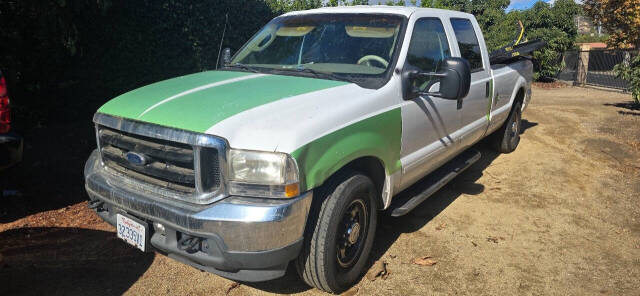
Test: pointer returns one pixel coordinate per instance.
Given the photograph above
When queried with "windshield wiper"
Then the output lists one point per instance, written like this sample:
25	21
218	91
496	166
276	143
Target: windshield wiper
322	74
243	67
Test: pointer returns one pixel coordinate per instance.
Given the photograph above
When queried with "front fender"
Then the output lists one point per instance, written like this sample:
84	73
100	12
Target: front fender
378	136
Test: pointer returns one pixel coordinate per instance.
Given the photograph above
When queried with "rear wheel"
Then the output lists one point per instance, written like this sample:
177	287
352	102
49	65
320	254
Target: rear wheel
507	138
340	233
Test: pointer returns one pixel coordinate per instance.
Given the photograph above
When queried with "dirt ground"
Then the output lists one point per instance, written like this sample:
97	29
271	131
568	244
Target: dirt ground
559	216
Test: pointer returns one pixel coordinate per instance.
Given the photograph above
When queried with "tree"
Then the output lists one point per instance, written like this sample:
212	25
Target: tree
282	6
631	73
490	14
553	24
620	17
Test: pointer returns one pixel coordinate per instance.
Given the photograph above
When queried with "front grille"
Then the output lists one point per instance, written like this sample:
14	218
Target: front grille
169	165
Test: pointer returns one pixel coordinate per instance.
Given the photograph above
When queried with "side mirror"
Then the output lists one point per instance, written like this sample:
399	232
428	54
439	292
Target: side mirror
226	56
454	77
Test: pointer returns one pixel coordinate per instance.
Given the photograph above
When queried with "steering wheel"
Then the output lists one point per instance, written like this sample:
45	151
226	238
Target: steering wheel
368	58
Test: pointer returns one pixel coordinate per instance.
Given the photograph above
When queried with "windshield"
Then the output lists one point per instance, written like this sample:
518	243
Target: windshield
351	47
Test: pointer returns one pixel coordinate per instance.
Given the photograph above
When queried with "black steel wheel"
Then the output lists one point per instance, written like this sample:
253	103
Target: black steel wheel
340	232
351	233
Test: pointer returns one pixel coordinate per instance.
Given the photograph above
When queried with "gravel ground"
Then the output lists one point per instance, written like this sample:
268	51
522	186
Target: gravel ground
559	216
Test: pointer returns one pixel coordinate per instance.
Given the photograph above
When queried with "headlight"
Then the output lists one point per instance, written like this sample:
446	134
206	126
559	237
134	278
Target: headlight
262	174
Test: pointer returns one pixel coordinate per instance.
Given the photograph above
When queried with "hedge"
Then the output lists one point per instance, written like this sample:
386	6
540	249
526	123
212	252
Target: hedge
64	58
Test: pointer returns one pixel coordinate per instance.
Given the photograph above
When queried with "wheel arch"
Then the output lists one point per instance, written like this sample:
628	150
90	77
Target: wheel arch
373	168
370	165
519	92
519	95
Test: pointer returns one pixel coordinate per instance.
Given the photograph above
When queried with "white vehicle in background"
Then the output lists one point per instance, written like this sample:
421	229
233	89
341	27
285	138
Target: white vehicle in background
289	152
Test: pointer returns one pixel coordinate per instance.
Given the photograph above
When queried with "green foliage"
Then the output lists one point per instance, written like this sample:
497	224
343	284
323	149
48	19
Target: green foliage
497	25
621	18
346	2
546	60
282	6
586	38
333	3
630	71
553	24
65	58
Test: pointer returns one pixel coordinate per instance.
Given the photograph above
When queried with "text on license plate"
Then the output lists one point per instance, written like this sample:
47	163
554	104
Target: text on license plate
131	231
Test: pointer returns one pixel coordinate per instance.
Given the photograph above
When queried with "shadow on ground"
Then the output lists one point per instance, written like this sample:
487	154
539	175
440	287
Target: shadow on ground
465	183
50	175
630	105
527	125
291	283
67	261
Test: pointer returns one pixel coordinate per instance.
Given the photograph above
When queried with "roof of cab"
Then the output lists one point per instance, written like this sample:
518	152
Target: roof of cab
400	10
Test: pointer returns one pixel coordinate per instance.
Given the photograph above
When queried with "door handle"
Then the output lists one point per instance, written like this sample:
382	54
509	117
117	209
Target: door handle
487	90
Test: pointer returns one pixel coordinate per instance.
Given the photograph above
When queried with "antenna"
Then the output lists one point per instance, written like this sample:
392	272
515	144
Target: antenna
226	20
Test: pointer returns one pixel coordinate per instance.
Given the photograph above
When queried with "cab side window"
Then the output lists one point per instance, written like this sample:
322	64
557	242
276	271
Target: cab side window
467	42
428	48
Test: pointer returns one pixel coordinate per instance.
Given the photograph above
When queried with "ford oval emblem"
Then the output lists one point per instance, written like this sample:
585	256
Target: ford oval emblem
136	158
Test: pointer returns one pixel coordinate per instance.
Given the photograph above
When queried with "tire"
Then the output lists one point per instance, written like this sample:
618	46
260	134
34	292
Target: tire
333	258
507	137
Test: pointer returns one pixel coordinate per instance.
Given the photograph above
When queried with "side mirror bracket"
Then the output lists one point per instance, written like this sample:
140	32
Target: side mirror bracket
417	74
454	77
226	56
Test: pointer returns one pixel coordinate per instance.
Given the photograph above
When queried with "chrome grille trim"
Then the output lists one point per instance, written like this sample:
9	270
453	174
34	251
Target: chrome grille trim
196	167
196	140
166	163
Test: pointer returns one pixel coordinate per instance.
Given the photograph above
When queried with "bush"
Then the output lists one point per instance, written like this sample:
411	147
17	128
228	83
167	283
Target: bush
547	60
65	58
631	73
587	38
553	24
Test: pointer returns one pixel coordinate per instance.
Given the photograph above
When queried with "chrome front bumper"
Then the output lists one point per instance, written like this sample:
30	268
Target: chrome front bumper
238	225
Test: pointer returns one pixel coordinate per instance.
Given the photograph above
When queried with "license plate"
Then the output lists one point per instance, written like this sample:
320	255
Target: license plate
132	231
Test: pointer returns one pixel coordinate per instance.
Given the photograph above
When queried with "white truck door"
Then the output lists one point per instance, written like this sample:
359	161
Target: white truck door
428	123
475	106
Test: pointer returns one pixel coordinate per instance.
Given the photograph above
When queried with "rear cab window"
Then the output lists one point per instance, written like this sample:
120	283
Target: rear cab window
468	42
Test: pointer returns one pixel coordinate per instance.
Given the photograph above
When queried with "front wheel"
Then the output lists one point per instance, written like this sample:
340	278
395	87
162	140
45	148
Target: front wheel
340	233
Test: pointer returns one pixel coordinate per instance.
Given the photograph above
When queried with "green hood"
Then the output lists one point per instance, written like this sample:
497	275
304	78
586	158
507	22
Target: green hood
198	101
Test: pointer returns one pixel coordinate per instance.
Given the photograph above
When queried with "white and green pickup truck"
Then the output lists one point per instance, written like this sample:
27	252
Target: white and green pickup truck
291	150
